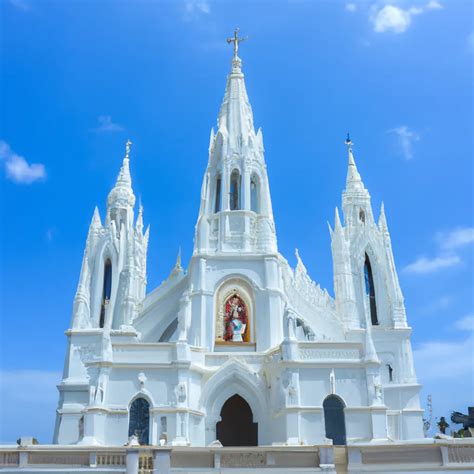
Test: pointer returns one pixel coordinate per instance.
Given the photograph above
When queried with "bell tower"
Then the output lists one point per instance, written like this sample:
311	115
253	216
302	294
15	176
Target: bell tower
236	211
113	275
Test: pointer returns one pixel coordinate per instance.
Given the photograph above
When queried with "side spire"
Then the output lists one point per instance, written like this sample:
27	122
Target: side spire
353	181
124	178
121	200
96	222
383	220
337	221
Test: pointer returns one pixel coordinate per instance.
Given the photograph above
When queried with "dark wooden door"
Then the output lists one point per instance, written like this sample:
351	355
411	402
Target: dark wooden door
236	427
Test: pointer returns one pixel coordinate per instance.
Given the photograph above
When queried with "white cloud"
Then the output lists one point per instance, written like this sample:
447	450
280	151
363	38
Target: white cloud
406	138
433	5
392	18
434	359
107	125
470	42
448	243
18	169
20	5
465	324
195	8
456	238
434	306
431	265
351	7
30	385
28	404
50	234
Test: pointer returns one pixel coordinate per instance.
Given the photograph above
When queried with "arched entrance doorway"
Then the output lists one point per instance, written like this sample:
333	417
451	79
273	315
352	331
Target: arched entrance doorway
236	427
139	423
334	420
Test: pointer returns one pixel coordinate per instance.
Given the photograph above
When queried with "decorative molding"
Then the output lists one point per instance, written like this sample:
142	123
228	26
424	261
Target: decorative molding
305	353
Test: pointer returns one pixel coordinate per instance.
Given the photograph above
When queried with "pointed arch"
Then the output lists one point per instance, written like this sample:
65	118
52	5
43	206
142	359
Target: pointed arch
334	419
218	193
238	290
233	378
105	252
106	291
139	419
235	187
370	290
236	427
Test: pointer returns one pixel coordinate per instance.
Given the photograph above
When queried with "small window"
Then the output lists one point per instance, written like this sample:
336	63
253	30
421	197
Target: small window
139	421
334	420
235	190
107	289
362	216
390	373
254	194
217	205
370	290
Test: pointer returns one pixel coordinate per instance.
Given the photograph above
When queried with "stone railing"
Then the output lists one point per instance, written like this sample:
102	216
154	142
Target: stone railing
423	456
156	460
433	455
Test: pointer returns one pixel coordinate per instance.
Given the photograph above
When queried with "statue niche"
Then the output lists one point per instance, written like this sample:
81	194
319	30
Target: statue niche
233	318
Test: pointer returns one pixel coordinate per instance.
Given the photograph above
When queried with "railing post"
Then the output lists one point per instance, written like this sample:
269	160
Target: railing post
132	461
217	460
354	456
93	459
444	455
23	459
162	461
326	458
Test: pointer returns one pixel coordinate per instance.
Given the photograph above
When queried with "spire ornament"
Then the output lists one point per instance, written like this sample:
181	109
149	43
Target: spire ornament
348	142
128	146
236	40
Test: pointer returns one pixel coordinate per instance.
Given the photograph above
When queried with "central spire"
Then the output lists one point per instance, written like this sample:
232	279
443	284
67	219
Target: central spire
236	211
235	120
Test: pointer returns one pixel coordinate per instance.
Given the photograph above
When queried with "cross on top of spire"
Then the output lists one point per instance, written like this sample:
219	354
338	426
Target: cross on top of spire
236	40
128	146
348	141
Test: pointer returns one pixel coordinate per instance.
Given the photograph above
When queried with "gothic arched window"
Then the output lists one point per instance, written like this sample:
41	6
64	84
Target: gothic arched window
139	423
106	291
254	194
217	204
362	216
370	290
235	190
334	420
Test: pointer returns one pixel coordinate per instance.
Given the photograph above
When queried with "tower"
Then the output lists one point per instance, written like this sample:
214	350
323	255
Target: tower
365	278
109	296
236	211
370	301
113	275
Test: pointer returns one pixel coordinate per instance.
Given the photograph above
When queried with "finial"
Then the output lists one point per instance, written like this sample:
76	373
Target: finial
128	146
178	258
236	40
348	141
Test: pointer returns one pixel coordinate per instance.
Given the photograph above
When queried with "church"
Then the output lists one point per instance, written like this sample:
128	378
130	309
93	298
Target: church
239	349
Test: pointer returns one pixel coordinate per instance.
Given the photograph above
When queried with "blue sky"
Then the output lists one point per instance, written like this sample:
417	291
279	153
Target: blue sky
80	78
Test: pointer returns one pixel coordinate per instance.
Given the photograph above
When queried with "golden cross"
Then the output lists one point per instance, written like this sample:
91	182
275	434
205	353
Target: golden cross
236	40
128	145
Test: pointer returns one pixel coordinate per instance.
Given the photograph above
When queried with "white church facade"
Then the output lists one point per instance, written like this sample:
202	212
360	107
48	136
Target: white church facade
240	349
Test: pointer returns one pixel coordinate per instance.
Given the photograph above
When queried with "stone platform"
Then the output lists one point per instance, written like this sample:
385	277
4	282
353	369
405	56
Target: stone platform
429	456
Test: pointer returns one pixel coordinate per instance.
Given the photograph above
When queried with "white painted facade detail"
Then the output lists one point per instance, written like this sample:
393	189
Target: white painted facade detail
240	320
